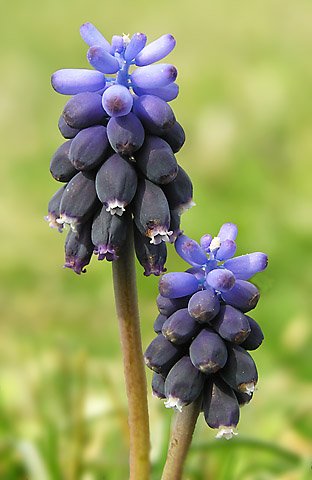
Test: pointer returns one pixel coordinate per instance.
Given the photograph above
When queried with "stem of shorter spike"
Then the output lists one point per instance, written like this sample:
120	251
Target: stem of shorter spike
134	368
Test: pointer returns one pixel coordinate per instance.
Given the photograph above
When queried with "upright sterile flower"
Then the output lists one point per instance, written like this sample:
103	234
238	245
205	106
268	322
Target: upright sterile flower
202	313
119	157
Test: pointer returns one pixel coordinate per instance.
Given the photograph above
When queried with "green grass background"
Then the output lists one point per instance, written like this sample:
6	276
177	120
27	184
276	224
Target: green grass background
245	81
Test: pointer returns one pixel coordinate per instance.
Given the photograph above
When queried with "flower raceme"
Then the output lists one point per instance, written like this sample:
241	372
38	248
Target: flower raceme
119	157
203	331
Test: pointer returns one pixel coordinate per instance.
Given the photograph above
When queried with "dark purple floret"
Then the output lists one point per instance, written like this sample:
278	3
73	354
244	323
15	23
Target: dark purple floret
65	129
78	249
84	110
156	160
183	384
180	327
208	351
151	257
255	337
61	168
175	136
158	323
240	371
220	405
151	212
179	192
89	148
116	183
155	114
54	209
204	306
167	306
161	355
158	386
79	201
109	234
231	324
125	134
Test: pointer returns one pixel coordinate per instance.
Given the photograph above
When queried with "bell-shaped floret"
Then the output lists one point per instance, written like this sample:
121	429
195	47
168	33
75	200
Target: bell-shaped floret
231	324
158	386
208	351
116	183
125	134
109	234
175	136
179	192
54	209
240	371
156	160
61	168
180	327
89	148
161	355
183	384
84	110
78	249
204	305
152	257
255	337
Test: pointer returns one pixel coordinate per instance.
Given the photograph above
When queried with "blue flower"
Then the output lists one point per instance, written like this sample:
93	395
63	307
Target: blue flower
111	76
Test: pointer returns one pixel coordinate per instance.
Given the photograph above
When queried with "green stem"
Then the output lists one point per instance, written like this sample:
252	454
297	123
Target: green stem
180	441
134	368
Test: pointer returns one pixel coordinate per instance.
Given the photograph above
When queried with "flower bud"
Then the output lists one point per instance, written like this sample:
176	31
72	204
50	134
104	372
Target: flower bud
255	337
204	306
109	234
89	148
61	168
180	327
161	355
208	351
179	192
78	249
177	284
167	306
84	110
231	324
244	296
158	386
240	371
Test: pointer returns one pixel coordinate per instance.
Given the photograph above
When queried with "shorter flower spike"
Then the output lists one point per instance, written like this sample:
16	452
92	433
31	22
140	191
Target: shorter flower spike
231	324
78	249
183	384
61	168
109	234
116	184
245	266
255	337
167	306
161	355
84	110
177	284
221	408
71	81
244	296
89	148
180	327
204	306
240	371
208	351
152	257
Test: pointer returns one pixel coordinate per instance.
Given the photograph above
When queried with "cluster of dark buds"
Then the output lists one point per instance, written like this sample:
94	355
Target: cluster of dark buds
118	162
203	331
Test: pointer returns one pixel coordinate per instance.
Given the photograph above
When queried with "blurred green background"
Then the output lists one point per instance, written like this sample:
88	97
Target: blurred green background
245	79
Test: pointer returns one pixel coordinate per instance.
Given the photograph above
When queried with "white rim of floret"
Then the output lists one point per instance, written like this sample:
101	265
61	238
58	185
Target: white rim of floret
173	402
215	244
71	221
52	221
226	432
185	206
115	207
159	234
248	388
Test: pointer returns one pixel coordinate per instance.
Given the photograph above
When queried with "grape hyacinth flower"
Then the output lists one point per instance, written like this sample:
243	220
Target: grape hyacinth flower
204	334
119	155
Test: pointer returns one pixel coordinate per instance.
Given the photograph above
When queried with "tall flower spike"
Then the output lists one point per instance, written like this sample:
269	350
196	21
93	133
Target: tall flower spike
120	105
202	314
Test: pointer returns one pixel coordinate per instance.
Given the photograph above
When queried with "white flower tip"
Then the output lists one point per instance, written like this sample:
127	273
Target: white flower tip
226	432
185	206
215	244
158	235
248	388
116	208
175	403
71	221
